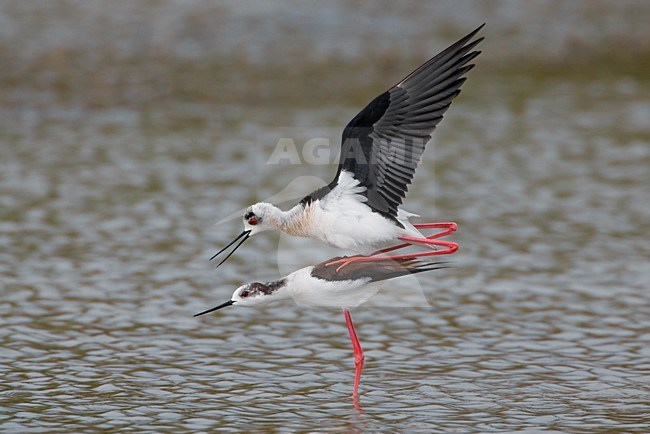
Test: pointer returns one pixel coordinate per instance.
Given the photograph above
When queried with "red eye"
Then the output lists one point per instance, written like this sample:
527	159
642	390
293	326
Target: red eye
252	221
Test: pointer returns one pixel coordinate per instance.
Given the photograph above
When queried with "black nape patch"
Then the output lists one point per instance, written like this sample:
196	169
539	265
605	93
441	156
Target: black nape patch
257	288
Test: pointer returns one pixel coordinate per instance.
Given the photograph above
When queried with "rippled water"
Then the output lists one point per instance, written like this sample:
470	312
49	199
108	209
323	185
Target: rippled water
543	322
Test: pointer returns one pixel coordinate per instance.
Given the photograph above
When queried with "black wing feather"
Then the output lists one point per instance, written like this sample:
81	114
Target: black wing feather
382	145
374	271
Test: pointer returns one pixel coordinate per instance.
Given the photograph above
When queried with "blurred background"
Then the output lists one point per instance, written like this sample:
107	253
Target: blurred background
127	129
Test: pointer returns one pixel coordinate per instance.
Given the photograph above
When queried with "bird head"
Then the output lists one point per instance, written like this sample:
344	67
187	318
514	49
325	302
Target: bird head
258	218
252	294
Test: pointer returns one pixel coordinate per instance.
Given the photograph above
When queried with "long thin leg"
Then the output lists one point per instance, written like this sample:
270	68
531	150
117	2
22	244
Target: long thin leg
448	247
450	228
358	354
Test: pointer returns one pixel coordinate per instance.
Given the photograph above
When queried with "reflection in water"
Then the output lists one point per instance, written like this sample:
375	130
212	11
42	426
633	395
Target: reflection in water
105	233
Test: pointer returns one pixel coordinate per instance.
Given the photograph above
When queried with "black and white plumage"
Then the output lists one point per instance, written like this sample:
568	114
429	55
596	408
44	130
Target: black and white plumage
383	144
381	148
321	285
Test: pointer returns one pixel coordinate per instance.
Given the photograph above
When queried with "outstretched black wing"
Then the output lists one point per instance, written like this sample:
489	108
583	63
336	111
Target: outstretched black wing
383	144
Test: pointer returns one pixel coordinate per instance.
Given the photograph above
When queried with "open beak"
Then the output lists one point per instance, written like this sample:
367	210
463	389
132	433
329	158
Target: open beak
228	303
243	236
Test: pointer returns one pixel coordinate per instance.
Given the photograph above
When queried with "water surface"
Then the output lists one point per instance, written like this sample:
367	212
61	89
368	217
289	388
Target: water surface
110	188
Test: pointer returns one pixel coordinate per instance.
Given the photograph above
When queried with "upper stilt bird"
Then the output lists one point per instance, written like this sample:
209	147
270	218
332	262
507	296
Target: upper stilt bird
380	151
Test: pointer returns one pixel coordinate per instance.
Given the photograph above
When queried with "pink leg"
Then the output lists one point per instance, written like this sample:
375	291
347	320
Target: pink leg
448	247
358	355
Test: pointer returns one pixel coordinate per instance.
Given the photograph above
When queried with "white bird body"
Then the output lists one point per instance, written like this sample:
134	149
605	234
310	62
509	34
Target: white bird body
322	285
340	219
307	290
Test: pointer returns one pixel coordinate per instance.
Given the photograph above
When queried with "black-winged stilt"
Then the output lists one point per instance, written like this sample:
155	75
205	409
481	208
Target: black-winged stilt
381	148
323	285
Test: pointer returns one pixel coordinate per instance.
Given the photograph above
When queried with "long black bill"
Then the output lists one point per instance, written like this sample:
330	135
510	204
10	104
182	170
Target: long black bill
243	235
228	303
